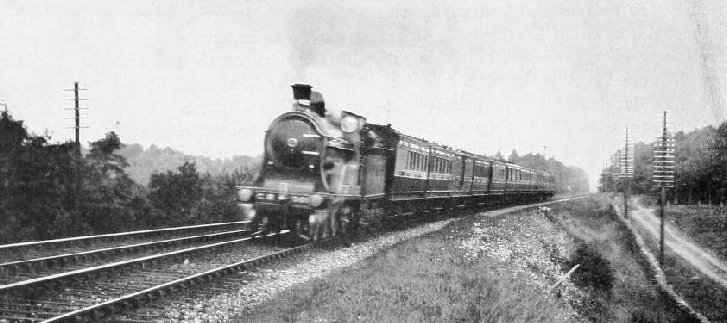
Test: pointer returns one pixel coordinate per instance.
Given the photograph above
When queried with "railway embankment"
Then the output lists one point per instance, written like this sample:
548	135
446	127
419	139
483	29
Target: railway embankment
494	266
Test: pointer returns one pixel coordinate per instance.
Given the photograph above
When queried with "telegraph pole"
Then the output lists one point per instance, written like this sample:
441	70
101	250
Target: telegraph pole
626	165
77	109
77	116
664	165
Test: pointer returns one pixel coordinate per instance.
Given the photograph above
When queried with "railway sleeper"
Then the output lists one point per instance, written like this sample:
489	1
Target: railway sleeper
35	314
18	319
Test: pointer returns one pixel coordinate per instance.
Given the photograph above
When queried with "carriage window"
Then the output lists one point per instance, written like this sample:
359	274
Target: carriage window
479	171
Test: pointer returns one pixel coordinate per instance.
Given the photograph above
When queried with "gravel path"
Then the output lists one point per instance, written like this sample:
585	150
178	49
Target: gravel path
674	240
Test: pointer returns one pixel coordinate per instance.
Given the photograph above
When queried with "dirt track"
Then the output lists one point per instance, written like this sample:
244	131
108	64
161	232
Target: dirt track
679	244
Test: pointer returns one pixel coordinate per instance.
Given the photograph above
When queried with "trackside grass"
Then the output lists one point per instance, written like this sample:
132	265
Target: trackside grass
424	280
488	269
704	224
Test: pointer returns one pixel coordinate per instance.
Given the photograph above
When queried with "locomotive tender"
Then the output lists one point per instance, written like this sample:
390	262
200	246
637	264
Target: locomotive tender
323	171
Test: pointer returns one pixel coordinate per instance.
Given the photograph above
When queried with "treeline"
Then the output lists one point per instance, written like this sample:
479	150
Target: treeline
145	162
568	179
700	169
52	190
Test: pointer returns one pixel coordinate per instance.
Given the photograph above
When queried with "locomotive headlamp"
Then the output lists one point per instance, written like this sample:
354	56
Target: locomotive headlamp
244	194
349	124
301	199
316	200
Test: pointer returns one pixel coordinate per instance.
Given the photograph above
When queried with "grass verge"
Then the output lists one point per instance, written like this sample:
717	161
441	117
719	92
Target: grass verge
705	224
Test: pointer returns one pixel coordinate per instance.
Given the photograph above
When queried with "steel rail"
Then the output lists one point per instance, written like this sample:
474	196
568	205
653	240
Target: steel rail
13	247
50	262
33	285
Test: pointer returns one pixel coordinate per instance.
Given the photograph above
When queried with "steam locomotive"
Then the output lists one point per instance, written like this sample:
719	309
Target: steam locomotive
336	173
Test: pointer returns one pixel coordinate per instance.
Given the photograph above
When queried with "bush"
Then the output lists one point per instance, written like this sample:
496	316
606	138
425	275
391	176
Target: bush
595	271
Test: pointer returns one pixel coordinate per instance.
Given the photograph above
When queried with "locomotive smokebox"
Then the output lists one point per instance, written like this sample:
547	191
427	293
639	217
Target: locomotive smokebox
301	91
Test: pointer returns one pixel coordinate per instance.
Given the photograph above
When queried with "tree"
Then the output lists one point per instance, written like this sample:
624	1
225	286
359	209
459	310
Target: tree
701	166
175	194
12	134
514	157
498	156
110	198
719	163
33	178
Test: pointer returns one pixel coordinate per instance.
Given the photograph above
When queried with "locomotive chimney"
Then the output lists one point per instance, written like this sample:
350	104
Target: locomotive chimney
301	93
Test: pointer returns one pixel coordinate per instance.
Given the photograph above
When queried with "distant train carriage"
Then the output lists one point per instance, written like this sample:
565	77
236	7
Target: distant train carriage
332	173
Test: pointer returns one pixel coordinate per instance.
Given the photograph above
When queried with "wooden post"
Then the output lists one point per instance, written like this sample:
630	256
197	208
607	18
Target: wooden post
661	214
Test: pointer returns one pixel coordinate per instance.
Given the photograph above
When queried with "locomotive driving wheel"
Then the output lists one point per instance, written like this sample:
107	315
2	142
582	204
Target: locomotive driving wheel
302	229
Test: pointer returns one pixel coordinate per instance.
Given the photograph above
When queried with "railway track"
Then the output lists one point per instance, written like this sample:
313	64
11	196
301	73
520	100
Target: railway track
91	293
73	254
41	249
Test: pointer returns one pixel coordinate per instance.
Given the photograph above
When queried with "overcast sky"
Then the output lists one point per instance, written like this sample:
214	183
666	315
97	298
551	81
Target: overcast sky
207	77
